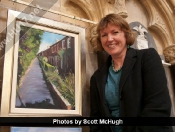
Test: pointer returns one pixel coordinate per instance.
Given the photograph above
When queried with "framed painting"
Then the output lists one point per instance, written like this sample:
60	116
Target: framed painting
45	129
43	67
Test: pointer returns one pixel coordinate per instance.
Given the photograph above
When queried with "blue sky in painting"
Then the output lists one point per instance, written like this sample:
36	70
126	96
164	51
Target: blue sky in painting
49	39
45	129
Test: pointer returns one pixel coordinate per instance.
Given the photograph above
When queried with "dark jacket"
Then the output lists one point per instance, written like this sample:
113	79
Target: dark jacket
143	91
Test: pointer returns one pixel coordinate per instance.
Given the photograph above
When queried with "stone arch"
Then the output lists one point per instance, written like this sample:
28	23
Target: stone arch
86	7
161	25
157	24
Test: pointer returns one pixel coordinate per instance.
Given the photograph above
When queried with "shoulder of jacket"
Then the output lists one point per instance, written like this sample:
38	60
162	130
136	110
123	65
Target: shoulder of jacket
95	73
145	51
103	67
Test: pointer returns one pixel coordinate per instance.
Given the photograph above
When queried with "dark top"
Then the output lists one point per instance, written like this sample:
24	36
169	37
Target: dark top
143	91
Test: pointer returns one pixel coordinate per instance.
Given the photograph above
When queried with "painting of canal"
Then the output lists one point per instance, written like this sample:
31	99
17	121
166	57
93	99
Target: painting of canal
45	70
45	129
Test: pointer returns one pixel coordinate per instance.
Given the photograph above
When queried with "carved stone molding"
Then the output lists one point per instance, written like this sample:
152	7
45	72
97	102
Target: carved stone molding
160	22
120	8
87	7
111	1
93	39
157	20
141	41
159	26
169	53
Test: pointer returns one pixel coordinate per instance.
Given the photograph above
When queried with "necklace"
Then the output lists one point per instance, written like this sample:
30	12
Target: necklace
114	67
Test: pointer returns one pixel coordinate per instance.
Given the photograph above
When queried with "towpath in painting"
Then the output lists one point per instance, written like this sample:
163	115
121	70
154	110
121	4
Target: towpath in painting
33	90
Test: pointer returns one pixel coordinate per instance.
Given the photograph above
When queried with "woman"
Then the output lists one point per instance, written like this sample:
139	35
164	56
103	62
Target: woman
132	83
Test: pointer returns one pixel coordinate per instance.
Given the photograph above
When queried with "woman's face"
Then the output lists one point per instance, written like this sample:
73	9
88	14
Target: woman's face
113	40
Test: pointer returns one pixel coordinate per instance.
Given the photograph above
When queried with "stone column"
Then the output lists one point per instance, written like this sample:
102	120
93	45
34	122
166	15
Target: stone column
169	53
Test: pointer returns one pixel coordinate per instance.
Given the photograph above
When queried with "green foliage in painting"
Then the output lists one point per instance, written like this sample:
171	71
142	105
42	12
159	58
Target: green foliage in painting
29	43
61	53
46	66
65	85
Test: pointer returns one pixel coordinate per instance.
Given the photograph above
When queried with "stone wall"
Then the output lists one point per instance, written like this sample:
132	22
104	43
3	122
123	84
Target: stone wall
157	16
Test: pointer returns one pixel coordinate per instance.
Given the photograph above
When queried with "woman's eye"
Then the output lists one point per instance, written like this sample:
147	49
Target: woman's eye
103	35
116	32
